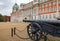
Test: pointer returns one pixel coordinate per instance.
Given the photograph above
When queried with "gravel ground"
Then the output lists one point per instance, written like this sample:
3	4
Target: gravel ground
5	32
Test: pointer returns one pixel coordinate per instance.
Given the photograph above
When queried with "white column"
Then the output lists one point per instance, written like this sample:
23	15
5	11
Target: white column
57	8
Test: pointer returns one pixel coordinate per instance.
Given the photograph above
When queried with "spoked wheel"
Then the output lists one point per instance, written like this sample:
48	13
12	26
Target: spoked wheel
34	31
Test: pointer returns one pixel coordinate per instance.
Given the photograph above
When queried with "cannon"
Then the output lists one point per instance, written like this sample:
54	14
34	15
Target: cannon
40	28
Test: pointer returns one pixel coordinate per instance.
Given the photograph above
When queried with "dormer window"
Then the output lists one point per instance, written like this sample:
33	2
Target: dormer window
35	0
43	1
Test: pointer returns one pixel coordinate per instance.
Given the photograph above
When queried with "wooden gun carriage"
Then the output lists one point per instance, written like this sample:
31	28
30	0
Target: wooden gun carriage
38	28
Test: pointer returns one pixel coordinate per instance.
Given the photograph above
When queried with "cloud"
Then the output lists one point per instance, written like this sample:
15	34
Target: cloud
22	1
6	5
1	3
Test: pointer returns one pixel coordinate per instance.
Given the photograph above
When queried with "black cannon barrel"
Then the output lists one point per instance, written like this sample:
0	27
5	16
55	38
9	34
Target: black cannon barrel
50	26
53	22
47	21
30	20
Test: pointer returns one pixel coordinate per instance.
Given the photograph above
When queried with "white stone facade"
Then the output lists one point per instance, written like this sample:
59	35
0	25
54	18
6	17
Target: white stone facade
37	10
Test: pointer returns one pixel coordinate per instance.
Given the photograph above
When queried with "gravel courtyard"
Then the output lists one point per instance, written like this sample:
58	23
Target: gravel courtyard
5	32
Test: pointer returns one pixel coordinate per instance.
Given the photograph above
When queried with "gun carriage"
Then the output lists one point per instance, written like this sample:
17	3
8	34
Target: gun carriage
39	28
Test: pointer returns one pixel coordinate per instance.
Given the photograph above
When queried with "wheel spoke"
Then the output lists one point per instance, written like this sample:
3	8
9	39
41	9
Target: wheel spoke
33	36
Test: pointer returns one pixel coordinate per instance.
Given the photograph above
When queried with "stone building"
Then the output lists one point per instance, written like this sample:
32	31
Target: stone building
36	10
49	10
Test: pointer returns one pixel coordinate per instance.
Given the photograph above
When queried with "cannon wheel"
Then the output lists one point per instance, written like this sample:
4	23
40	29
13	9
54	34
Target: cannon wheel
34	31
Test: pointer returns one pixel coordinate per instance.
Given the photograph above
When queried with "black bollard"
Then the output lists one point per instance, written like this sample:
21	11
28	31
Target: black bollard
45	38
12	32
37	38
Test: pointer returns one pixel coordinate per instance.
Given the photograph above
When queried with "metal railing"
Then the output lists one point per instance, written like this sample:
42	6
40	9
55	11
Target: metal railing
14	32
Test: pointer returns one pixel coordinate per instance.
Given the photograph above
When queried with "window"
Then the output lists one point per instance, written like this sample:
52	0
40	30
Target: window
59	8
46	16
59	1
54	3
40	17
42	10
54	16
51	9
43	16
46	5
39	10
46	10
35	11
49	4
41	0
35	0
55	8
50	16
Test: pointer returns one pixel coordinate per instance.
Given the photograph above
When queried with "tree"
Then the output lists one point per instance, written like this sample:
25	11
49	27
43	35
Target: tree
1	18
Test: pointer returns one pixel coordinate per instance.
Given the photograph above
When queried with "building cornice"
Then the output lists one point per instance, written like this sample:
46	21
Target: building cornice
34	4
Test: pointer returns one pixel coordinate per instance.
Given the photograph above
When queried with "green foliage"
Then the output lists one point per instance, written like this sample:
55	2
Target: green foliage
1	18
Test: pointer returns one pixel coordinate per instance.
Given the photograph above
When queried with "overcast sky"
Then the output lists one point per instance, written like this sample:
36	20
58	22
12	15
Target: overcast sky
6	5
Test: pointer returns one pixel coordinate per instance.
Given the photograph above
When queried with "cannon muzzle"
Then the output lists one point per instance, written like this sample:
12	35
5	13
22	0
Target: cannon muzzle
29	20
